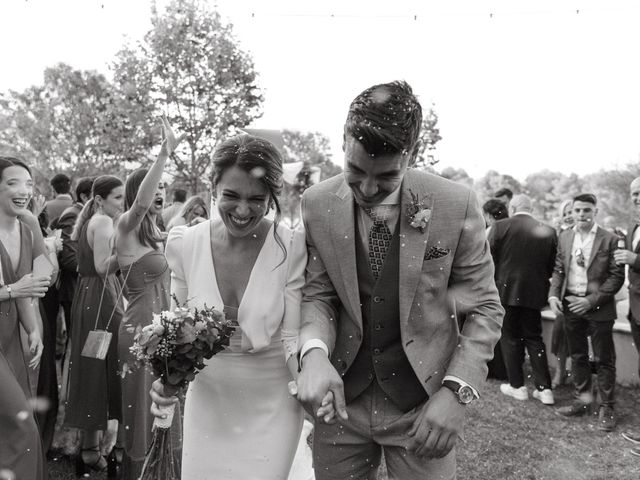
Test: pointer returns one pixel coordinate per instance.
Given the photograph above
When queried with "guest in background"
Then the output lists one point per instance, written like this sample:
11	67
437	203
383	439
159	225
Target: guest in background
559	345
142	262
585	280
192	213
173	209
61	185
524	253
94	394
504	195
20	241
494	210
629	255
67	257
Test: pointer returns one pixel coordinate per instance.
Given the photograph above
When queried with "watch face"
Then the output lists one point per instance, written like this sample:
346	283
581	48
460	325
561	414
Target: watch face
465	395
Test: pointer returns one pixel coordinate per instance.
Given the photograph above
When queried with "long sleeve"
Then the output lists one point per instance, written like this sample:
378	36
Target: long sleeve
173	252
297	261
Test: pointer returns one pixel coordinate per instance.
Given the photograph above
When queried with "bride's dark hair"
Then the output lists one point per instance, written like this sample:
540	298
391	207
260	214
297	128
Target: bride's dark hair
253	154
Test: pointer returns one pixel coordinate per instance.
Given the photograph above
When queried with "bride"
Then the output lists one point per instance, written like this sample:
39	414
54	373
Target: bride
240	421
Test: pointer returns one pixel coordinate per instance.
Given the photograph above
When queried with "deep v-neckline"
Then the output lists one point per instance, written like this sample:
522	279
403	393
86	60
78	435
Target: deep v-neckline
251	274
7	256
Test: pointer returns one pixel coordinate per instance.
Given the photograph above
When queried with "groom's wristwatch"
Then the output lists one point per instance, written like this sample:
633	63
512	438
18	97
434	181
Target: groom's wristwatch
463	392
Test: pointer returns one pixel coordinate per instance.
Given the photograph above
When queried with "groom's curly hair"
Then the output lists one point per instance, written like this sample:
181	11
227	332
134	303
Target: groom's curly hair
385	119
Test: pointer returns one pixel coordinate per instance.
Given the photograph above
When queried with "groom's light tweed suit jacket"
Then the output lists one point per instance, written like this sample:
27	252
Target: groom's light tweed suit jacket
433	292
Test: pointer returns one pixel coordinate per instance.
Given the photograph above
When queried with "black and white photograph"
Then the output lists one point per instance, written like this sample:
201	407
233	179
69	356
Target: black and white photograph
319	240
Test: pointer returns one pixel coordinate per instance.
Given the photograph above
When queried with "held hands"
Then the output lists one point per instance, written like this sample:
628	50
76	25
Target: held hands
320	388
578	305
35	348
625	257
160	400
169	140
438	426
30	286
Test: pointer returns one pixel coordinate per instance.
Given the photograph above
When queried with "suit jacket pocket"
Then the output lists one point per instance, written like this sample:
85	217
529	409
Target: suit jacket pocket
436	264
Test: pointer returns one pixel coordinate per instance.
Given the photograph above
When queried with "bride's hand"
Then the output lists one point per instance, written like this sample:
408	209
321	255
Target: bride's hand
326	411
170	141
159	399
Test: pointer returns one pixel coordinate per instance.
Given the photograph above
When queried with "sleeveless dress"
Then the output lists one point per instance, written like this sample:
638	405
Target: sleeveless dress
93	395
240	422
147	281
20	444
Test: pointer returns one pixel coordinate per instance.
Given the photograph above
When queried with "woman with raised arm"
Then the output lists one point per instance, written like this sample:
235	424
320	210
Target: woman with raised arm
144	268
93	396
194	211
20	242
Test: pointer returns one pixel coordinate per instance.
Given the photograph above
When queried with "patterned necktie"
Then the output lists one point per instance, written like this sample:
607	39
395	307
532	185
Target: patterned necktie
379	240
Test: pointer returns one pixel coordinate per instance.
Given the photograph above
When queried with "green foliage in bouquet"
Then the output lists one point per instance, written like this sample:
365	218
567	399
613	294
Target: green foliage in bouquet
177	342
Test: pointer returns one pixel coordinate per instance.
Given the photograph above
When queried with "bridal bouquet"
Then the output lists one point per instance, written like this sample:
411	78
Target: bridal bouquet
175	346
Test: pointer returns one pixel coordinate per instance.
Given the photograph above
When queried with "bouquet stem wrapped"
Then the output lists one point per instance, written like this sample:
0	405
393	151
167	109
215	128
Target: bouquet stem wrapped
175	346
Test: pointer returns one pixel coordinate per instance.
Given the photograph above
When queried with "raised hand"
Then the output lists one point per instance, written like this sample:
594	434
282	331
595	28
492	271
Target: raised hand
170	142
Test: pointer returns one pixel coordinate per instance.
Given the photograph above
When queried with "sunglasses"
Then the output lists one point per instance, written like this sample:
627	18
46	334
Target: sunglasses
579	257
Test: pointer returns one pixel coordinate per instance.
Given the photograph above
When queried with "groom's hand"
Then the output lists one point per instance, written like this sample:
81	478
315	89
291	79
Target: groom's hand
435	432
317	378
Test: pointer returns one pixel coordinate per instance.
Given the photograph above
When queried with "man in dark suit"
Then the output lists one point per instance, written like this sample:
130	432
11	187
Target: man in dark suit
524	252
61	185
630	255
67	256
585	279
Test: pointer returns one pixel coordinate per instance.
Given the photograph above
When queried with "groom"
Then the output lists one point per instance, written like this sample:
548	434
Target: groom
396	255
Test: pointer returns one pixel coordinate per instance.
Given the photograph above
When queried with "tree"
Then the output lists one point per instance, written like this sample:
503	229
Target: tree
492	181
313	149
611	187
459	175
64	125
429	136
190	68
549	189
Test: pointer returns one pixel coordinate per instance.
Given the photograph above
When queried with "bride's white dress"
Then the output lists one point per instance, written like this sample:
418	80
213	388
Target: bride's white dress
240	422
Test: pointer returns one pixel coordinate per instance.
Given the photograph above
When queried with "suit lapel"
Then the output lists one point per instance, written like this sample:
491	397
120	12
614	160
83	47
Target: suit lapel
568	247
413	244
596	246
344	243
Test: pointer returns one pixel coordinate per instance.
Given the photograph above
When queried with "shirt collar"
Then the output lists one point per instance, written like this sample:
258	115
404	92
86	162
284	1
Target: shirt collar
523	213
392	199
593	230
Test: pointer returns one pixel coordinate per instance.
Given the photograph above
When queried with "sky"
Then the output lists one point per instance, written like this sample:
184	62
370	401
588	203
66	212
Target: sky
518	85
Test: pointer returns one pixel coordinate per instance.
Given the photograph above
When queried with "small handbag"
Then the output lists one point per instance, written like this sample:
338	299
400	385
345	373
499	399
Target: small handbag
97	343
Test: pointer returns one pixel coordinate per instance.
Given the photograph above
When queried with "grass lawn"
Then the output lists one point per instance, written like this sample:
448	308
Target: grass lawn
510	440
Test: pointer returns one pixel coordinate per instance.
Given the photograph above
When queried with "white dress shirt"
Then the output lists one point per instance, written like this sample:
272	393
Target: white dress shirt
577	275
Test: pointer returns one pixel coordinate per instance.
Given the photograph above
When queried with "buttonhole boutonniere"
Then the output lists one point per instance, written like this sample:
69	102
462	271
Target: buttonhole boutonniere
418	213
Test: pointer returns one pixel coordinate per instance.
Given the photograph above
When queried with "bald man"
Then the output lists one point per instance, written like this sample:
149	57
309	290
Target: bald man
630	256
524	251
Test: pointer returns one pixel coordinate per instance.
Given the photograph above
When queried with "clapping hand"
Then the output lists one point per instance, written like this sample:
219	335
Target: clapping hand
169	140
